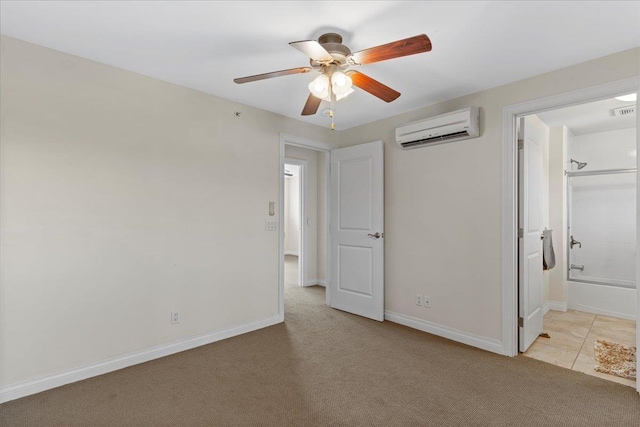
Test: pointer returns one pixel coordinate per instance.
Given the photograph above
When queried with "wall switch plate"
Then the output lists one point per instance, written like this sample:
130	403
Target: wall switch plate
175	317
427	301
271	225
272	208
308	221
418	299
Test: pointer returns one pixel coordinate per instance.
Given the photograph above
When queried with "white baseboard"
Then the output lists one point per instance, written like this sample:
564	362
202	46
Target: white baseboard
315	282
484	343
291	253
598	310
47	382
557	306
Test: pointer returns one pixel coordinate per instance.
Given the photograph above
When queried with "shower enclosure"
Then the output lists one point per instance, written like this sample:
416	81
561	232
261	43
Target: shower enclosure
601	232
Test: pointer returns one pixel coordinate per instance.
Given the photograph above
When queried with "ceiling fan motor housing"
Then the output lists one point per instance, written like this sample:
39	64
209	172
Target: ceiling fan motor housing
332	43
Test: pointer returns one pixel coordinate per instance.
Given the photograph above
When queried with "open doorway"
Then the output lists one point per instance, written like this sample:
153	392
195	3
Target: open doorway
305	220
293	217
577	237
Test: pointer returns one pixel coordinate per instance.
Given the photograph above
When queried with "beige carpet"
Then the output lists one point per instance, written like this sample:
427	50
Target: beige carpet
290	271
326	367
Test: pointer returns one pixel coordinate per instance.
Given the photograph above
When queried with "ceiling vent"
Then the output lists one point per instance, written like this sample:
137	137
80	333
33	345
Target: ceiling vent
624	111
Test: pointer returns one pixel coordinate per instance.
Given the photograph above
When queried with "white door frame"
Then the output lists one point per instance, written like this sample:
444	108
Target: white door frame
302	234
302	142
509	192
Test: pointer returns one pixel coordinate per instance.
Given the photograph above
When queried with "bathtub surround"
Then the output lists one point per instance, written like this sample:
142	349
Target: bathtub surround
602	217
603	220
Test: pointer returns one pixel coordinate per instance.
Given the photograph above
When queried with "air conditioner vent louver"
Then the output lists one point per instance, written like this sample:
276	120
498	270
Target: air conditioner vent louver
624	111
436	139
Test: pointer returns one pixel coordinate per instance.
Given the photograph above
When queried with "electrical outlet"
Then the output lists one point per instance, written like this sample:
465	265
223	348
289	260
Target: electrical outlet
418	299
175	317
427	301
271	225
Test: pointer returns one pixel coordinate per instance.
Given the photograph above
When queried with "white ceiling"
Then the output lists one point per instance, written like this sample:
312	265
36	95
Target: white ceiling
204	45
593	117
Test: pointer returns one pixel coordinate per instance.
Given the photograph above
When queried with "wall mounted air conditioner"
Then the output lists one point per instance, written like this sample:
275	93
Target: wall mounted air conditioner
449	127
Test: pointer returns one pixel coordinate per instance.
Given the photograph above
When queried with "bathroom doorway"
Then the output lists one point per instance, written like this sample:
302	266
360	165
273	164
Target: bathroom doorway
586	303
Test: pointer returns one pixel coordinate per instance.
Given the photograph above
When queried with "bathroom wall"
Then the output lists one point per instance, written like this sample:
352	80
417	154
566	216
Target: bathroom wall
604	150
546	274
558	137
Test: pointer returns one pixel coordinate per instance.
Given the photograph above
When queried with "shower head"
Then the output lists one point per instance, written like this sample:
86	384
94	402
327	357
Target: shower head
580	164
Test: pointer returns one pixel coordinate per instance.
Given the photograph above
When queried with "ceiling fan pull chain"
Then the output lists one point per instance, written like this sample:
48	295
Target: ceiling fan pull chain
332	108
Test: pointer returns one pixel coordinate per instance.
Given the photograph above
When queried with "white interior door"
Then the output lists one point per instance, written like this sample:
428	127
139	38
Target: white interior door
530	284
357	234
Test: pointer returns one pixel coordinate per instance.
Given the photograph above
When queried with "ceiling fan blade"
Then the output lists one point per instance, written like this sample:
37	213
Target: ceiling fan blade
311	107
372	86
397	49
299	70
313	50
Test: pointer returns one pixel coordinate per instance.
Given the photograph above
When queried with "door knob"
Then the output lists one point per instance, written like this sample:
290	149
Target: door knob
377	235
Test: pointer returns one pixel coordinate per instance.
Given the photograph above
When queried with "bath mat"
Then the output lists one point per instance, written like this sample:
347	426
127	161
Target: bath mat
615	359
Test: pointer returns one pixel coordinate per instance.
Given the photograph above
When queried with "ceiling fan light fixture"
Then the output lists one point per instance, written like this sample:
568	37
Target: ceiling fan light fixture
340	83
319	87
339	97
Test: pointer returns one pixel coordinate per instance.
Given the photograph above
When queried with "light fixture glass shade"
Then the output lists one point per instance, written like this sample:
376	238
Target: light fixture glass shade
340	83
627	98
344	95
339	97
320	86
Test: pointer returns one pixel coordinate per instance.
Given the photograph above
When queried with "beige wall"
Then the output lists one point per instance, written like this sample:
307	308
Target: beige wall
558	137
443	203
124	198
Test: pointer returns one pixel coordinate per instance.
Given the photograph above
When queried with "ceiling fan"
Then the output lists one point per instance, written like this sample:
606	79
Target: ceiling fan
334	60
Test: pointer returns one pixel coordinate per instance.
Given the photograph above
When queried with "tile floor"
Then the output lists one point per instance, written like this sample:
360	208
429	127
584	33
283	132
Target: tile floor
572	337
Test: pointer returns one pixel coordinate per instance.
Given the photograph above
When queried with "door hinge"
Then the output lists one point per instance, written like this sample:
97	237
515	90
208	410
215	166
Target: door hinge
521	322
520	233
520	144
